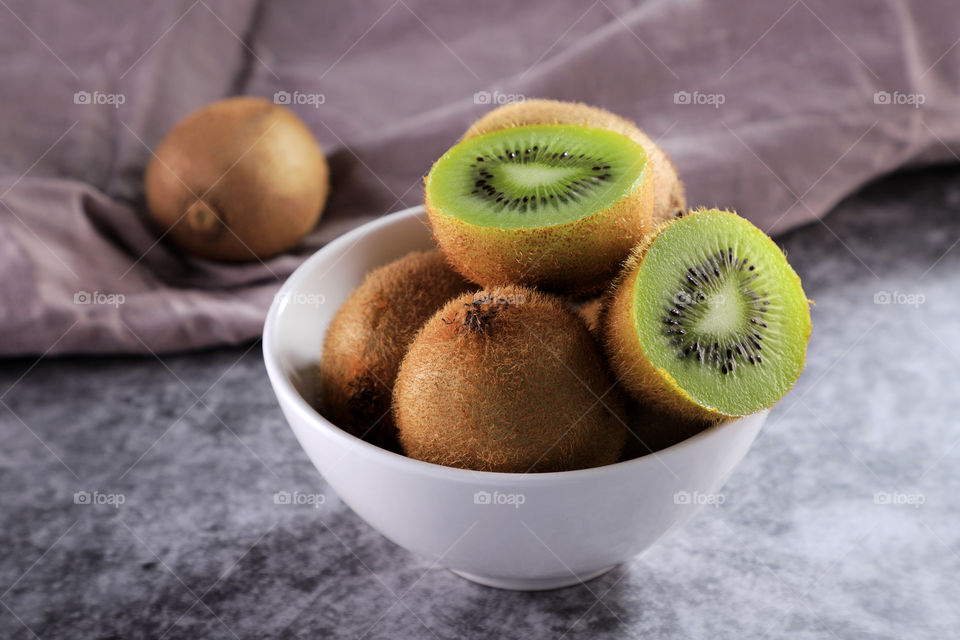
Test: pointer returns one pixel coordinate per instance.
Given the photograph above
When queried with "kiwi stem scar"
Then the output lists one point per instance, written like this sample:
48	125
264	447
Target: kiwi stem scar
202	217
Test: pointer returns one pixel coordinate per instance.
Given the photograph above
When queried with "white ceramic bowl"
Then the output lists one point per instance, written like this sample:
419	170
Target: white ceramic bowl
514	531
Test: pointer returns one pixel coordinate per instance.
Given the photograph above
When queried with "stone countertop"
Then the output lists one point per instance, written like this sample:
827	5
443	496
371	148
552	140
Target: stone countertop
843	520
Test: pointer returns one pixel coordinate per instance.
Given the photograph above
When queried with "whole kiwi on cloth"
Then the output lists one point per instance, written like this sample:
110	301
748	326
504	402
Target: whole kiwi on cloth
239	179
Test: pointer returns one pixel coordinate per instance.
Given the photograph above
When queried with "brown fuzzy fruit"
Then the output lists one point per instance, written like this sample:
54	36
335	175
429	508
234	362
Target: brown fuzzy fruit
668	195
238	179
369	335
590	312
508	380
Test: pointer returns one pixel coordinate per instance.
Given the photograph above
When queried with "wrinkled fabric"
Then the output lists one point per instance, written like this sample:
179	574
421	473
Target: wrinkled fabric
775	109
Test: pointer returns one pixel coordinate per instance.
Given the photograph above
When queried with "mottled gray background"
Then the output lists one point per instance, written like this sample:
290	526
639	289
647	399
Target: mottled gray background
842	521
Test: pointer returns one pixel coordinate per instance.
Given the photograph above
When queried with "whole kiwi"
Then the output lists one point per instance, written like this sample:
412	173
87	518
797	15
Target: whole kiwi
508	379
239	179
369	335
668	194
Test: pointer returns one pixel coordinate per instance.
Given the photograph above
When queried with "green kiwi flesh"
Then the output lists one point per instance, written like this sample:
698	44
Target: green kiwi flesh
717	306
536	176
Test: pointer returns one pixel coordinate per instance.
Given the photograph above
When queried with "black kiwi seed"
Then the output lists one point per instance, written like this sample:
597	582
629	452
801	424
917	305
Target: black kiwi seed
489	185
698	283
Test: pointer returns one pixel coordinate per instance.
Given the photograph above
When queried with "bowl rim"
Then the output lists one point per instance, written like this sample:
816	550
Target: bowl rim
289	396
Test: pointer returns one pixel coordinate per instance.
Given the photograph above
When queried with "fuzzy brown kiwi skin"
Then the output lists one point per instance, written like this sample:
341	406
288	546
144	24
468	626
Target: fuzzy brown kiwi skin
369	335
488	384
589	311
669	200
238	179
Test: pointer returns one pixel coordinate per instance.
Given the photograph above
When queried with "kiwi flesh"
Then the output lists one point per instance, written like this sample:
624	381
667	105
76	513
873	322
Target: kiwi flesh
369	335
708	320
508	379
555	206
669	200
239	179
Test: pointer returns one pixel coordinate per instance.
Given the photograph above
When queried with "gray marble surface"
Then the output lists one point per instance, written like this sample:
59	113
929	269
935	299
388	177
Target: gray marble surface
843	520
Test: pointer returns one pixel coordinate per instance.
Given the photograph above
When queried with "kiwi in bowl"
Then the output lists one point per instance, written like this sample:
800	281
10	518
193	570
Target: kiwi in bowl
511	530
599	364
708	320
553	206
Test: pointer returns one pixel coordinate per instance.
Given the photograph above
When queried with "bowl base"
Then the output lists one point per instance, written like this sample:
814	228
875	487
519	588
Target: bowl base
532	584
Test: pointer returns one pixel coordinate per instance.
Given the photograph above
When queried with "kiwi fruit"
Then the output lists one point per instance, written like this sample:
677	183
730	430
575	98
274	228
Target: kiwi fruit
369	335
553	206
508	379
708	320
590	312
669	200
239	179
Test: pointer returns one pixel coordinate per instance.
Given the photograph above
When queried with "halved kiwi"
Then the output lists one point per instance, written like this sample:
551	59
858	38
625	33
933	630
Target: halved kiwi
556	206
709	320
